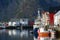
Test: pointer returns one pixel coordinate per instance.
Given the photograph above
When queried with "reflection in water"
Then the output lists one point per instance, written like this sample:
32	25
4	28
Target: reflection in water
21	35
9	32
44	38
15	35
24	33
12	32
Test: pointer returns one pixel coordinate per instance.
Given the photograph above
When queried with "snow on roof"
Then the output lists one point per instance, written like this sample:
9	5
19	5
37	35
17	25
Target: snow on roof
58	13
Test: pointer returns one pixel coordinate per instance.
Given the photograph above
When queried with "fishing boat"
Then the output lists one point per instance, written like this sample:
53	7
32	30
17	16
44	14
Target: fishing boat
40	31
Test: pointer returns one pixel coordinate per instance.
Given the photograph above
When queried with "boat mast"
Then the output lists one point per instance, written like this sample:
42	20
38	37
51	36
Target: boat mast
39	14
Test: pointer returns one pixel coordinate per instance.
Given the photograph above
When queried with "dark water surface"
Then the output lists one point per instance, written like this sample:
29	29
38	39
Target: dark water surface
15	35
6	34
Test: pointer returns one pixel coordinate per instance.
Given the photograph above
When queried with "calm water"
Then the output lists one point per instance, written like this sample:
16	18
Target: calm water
20	35
15	35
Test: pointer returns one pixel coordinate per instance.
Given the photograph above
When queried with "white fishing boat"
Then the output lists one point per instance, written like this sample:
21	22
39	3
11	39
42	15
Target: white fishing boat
38	24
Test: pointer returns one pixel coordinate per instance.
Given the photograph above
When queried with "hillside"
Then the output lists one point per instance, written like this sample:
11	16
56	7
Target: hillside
18	9
23	8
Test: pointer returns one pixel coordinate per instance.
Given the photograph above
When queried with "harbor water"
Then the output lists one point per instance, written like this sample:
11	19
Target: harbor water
7	34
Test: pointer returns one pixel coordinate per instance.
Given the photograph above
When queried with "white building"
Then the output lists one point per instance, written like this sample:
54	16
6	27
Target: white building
24	21
17	22
57	18
45	18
